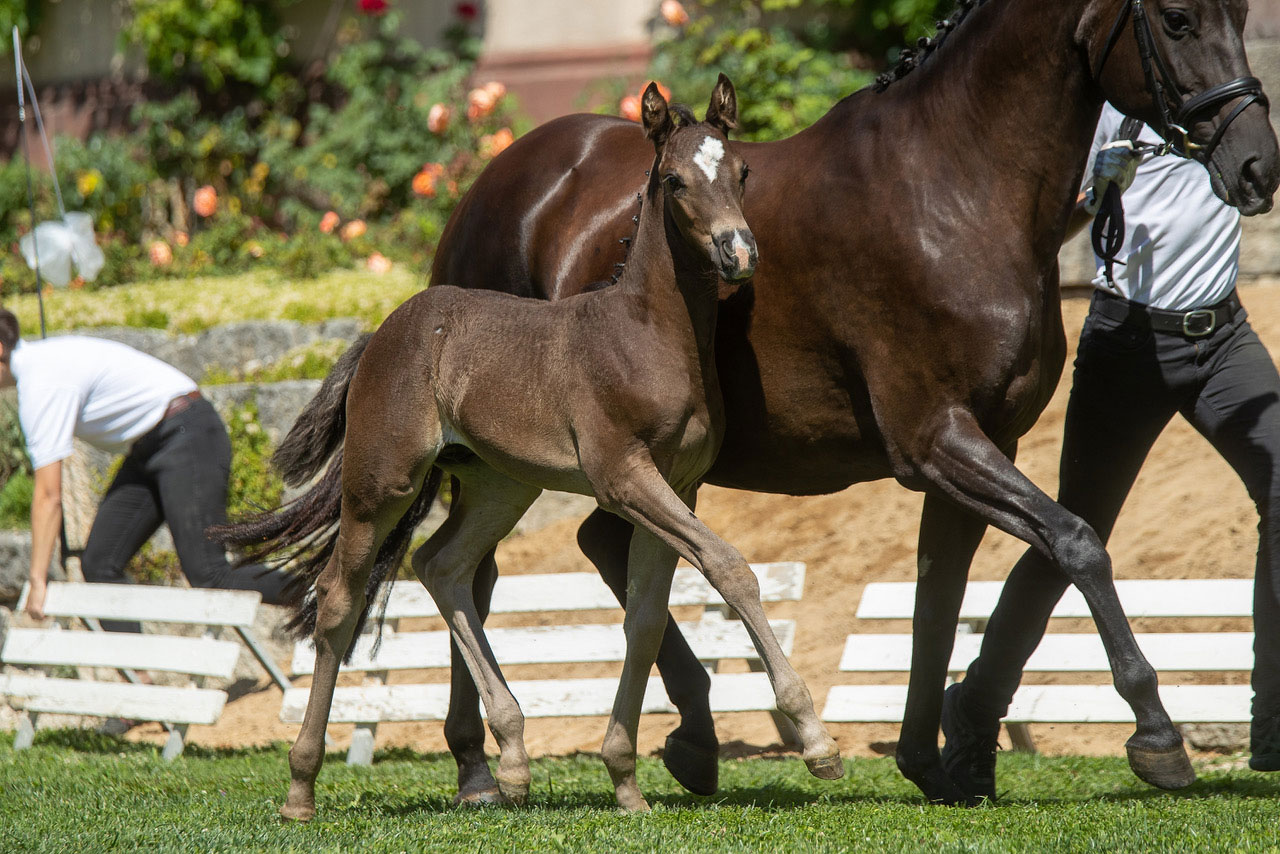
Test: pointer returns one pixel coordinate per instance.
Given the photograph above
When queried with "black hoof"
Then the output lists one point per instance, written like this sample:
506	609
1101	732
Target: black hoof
938	788
694	766
969	754
1164	769
481	798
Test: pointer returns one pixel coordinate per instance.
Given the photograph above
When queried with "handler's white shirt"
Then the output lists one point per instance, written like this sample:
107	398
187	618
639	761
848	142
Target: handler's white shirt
1181	242
103	392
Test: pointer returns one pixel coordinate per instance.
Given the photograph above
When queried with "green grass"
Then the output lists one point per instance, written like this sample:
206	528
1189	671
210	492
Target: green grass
192	305
77	791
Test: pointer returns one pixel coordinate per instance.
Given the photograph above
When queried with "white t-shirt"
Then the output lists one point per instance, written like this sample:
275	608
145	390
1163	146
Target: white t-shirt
1181	242
103	392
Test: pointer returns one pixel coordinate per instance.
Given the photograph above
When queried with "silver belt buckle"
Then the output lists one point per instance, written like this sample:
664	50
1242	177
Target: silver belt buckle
1210	318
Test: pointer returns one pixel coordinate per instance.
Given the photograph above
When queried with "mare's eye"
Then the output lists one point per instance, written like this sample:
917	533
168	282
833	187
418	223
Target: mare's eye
746	170
1177	22
673	183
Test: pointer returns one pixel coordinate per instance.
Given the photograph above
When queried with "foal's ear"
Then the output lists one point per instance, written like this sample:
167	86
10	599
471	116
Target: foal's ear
723	110
655	116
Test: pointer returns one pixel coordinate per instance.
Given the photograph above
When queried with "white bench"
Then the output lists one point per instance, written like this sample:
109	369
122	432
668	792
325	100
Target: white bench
713	638
198	657
1168	652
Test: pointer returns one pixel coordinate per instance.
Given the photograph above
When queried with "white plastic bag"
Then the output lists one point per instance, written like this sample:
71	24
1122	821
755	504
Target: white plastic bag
61	244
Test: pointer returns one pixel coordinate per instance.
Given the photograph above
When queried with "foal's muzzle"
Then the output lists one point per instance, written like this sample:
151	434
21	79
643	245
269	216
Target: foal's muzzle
736	254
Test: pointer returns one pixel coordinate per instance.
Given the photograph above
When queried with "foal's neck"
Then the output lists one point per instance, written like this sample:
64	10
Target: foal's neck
676	284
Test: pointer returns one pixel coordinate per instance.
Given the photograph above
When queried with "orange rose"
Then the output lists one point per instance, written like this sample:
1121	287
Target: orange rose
161	254
353	229
673	13
495	89
205	202
480	103
181	238
328	222
629	108
491	145
438	118
378	263
424	183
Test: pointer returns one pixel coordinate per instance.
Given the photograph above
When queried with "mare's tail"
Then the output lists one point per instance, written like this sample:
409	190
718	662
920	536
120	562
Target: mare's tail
300	537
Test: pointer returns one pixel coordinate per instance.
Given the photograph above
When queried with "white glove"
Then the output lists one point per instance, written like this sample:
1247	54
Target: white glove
1116	163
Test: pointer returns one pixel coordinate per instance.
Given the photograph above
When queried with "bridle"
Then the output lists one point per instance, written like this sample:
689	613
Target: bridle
1174	122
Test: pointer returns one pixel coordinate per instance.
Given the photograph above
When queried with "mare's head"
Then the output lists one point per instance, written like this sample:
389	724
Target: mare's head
702	178
1180	67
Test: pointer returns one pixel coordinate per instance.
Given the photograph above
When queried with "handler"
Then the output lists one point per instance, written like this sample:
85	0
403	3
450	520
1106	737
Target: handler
176	466
1170	336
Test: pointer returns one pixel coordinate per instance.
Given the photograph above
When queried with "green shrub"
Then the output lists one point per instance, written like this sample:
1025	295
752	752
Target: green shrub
15	500
254	485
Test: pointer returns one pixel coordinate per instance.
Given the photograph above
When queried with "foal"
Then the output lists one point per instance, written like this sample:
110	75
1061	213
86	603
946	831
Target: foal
617	398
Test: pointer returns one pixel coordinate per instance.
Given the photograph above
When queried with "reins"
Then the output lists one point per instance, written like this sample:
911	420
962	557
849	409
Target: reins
1108	227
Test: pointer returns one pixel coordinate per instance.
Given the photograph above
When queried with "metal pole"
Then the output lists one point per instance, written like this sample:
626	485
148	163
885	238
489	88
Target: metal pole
26	153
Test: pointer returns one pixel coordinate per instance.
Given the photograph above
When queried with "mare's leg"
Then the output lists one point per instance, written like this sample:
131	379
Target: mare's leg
692	749
949	535
651	565
485	509
963	464
643	496
340	598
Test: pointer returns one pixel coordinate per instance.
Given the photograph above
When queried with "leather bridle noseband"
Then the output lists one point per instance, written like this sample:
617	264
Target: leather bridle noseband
1160	83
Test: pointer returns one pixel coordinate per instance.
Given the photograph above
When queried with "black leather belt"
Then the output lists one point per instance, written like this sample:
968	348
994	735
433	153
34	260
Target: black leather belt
1195	323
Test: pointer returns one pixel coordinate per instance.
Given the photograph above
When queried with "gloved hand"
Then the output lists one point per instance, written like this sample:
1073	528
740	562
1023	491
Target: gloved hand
1116	163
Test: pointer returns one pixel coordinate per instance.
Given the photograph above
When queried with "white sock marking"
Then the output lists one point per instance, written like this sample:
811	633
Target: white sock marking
709	156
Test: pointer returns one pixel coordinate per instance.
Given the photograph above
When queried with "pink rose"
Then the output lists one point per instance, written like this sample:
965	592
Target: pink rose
438	118
205	202
673	13
629	108
161	254
328	222
378	263
352	230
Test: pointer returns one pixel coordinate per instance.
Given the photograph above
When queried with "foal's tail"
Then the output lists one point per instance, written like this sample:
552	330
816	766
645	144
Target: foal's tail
322	423
301	536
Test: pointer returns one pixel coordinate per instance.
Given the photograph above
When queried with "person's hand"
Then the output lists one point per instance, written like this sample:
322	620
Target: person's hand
35	601
1116	164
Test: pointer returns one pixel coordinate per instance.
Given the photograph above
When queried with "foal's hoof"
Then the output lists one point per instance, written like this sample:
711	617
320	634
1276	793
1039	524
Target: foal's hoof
826	767
299	814
1164	769
481	798
694	766
515	791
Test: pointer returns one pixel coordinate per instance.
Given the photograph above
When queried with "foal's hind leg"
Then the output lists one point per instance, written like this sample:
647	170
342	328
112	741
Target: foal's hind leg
340	598
486	508
641	494
962	463
692	749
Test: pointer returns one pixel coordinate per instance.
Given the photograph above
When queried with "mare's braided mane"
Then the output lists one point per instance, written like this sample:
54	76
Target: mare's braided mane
683	118
912	58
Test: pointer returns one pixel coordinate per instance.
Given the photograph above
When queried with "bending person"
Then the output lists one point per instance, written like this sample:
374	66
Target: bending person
176	466
1169	337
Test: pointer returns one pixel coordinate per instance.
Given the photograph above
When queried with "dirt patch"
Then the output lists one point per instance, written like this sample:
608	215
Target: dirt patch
868	533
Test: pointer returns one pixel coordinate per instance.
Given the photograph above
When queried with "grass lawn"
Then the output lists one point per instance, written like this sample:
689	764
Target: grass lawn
77	791
191	305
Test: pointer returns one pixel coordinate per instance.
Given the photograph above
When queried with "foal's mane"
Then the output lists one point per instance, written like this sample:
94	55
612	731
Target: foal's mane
683	117
910	59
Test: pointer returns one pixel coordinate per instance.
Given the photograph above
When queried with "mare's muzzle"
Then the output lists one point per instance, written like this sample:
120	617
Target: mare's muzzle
736	254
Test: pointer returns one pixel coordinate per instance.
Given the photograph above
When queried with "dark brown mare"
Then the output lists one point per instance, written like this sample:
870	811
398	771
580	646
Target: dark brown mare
611	394
904	320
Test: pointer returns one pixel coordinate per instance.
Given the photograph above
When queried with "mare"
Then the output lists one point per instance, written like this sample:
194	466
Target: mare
904	320
611	394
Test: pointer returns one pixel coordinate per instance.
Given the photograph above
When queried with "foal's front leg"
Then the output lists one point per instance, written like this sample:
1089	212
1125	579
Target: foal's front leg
653	506
649	570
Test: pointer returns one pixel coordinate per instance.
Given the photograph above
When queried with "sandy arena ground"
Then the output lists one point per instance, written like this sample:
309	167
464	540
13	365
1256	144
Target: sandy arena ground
1187	517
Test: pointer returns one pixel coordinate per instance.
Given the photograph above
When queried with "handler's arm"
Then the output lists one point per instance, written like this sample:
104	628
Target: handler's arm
46	523
1080	218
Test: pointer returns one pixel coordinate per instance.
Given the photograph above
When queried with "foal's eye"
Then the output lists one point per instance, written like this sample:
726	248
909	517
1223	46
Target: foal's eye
1177	22
674	183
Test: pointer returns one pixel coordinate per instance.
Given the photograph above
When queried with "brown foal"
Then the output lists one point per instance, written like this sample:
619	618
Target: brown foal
614	395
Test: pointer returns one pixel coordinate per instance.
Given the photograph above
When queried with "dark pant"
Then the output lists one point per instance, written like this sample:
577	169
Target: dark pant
176	473
1129	382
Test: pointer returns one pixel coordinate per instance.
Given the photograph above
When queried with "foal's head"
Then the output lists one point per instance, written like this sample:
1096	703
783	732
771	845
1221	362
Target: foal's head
702	178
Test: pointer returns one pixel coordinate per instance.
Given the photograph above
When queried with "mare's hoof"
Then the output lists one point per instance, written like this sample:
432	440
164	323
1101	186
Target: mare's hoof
1164	769
481	798
515	791
300	814
694	766
826	767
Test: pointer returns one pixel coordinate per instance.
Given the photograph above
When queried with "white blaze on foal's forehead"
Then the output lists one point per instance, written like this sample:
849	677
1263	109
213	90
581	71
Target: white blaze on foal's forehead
709	156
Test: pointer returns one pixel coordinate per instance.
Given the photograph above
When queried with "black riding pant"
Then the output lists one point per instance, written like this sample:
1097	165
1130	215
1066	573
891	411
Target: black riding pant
1129	382
176	473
